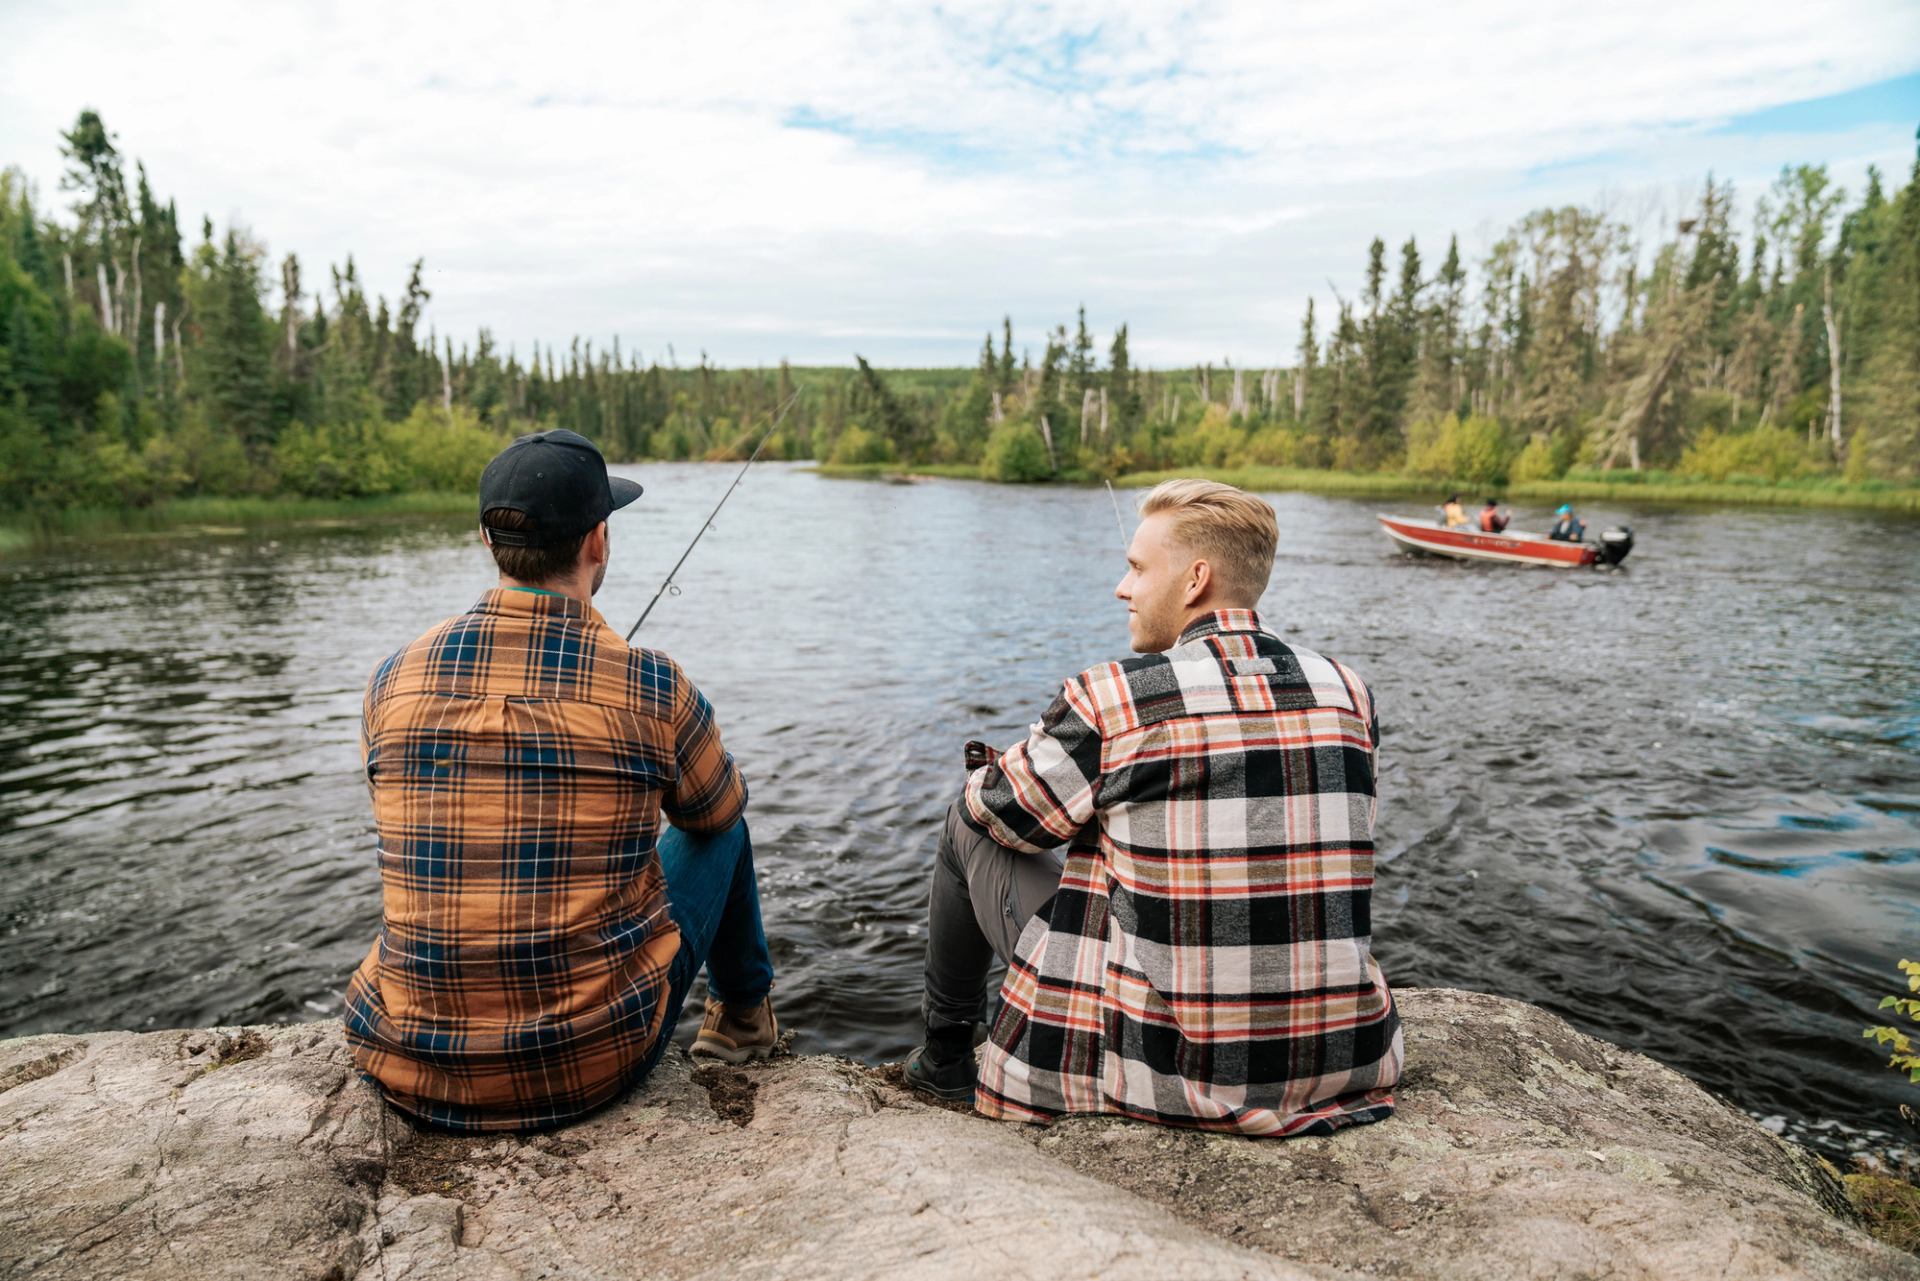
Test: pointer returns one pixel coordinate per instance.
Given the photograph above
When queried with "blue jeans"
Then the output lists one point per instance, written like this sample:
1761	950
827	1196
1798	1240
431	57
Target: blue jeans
712	897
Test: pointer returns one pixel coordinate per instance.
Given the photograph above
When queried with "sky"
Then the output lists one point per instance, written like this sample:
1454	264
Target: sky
809	180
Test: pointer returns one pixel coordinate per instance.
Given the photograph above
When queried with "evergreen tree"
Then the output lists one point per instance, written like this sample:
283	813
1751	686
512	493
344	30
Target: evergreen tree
1308	361
231	368
1121	388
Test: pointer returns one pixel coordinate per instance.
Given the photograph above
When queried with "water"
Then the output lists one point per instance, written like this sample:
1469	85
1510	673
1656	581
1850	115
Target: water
1679	805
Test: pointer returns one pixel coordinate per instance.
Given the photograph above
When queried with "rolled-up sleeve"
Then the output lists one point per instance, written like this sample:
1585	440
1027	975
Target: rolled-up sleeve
1040	792
708	795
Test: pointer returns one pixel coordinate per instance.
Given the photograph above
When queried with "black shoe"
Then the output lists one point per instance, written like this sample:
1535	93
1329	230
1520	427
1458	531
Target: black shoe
944	1066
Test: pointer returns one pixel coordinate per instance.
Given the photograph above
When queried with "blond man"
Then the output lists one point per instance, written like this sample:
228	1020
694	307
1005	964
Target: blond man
1200	955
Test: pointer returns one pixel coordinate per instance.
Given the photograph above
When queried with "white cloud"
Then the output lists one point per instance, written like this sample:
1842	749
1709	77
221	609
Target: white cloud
1196	169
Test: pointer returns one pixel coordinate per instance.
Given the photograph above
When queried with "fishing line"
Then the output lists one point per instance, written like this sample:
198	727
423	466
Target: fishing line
707	524
1125	542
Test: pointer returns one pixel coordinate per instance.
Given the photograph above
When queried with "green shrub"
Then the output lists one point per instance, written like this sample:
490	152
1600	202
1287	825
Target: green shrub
858	445
213	462
1213	442
432	451
1275	447
429	450
1766	453
1474	450
1906	1056
1015	452
1535	462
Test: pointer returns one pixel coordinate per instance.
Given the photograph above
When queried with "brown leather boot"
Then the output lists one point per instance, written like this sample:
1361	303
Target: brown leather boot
735	1035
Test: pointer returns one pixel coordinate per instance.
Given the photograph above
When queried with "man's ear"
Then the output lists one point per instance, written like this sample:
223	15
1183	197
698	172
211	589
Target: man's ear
1199	578
595	548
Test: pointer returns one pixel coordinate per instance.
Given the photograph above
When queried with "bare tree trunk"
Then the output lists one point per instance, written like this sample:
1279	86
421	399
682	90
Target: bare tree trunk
1086	412
67	260
1300	395
1046	434
1103	413
446	382
998	413
160	335
106	297
290	289
125	324
1833	319
1237	404
179	353
139	314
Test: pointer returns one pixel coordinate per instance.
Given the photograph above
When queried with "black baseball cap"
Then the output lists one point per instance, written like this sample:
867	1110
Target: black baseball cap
558	481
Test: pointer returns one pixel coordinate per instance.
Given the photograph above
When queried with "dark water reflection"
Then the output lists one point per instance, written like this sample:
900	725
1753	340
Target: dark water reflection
1680	805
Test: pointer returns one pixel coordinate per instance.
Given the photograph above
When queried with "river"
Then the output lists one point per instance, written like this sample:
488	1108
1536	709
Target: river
1679	805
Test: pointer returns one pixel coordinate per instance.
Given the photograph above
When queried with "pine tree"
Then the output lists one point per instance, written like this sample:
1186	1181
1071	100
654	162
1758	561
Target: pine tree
1080	368
231	368
1308	361
1121	388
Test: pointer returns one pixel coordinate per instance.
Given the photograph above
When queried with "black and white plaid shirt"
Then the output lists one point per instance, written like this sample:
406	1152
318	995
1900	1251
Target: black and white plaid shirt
1207	961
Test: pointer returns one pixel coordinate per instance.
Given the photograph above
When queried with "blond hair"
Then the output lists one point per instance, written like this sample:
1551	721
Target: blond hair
1230	528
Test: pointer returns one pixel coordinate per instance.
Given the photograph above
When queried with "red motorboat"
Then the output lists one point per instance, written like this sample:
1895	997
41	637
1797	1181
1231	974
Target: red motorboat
1462	543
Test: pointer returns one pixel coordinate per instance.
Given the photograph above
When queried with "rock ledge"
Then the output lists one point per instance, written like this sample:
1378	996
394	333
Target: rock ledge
1522	1149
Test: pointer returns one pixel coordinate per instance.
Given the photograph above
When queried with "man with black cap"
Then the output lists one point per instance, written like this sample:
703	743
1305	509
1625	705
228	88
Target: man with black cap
541	926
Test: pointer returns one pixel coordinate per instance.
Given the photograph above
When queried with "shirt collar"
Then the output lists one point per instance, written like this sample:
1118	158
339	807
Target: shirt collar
504	600
1222	620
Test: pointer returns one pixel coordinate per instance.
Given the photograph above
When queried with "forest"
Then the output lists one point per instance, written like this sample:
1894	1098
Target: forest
141	362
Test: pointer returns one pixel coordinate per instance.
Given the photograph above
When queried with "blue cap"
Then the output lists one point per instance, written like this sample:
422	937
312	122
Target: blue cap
1562	510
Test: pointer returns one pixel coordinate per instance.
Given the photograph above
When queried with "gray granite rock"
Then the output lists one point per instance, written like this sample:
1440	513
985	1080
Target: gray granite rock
1522	1149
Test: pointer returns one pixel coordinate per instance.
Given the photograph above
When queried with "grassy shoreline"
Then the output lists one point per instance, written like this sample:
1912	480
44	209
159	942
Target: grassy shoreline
198	516
1575	488
1629	488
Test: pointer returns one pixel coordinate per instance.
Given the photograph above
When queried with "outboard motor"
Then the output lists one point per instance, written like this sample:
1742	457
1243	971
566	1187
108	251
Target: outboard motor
1615	543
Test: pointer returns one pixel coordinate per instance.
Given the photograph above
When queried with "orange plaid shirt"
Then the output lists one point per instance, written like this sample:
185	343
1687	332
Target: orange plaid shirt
520	757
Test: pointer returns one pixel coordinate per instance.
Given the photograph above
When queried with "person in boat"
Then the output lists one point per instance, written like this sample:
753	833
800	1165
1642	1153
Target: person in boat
1567	527
1493	520
1198	953
542	922
1456	515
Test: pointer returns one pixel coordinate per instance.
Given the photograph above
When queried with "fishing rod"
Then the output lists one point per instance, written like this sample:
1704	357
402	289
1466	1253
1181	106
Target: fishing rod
707	524
1124	540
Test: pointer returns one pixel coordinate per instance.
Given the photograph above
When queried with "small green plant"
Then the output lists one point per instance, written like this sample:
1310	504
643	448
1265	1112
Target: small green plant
1905	1059
1015	453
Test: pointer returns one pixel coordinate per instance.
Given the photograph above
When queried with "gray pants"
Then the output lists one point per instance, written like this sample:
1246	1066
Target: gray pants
983	896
